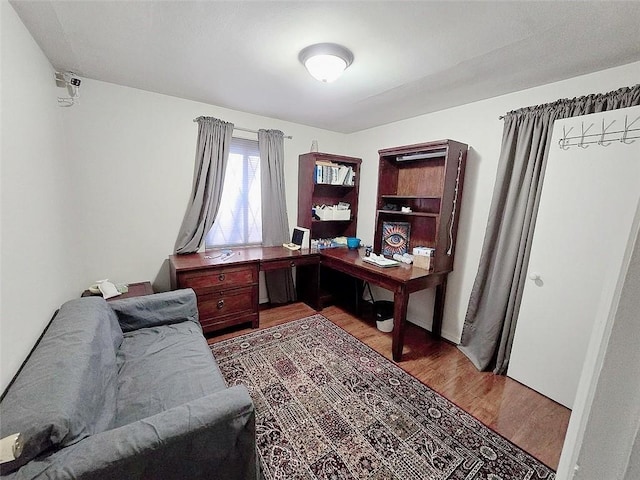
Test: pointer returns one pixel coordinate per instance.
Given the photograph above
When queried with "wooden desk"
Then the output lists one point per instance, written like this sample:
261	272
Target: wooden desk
227	287
402	281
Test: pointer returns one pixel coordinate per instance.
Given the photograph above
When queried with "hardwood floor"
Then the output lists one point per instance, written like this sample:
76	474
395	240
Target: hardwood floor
533	422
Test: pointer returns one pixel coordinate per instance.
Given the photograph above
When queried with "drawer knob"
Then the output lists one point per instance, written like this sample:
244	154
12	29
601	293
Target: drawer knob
221	277
220	304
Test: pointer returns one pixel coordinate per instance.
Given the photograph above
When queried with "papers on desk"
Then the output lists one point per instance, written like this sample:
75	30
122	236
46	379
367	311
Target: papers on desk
380	261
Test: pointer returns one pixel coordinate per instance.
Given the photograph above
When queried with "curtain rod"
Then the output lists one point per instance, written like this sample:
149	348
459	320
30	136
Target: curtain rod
256	132
248	130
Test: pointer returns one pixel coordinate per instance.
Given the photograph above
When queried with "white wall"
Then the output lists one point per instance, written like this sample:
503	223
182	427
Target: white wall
132	154
38	252
478	125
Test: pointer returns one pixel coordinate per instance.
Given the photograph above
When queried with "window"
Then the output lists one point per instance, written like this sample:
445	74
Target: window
239	220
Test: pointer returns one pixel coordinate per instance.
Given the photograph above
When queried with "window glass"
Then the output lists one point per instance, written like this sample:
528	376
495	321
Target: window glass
239	219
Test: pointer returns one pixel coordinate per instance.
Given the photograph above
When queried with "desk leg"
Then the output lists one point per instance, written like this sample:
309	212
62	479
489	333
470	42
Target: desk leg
400	302
438	309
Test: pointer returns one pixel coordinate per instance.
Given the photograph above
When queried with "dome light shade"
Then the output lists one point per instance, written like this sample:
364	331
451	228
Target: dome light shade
326	68
326	61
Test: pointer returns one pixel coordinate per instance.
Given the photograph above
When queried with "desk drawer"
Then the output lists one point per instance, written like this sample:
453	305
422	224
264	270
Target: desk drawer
219	278
266	265
218	305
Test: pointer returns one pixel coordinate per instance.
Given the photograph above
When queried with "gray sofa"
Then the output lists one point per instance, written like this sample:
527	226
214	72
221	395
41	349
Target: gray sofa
125	390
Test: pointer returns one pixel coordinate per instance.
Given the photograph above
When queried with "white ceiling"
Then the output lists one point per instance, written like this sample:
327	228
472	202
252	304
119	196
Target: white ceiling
411	57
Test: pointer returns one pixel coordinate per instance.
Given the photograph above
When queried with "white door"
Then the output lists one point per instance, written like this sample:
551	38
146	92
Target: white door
586	210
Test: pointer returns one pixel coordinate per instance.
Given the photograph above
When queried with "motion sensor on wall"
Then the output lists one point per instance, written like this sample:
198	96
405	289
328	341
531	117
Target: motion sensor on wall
72	83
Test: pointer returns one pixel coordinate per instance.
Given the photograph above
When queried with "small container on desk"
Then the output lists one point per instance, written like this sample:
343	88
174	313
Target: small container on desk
423	257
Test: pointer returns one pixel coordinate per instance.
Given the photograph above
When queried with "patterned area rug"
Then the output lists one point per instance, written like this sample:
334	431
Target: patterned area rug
330	407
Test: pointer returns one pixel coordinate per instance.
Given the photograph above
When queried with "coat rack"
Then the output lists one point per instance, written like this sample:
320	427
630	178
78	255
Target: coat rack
604	138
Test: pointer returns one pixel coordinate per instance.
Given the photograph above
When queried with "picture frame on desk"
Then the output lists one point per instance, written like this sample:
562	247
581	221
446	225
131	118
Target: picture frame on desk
395	238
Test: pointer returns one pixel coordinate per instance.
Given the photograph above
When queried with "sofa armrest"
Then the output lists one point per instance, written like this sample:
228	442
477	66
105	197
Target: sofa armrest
157	309
210	438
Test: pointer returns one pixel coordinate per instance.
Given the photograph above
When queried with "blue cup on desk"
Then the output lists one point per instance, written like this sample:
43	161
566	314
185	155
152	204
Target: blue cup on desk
353	243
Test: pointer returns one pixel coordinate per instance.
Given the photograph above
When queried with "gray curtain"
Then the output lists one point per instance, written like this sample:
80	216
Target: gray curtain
212	154
492	314
275	223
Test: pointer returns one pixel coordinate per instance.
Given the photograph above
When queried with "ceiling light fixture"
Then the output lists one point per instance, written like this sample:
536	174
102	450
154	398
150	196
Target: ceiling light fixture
326	61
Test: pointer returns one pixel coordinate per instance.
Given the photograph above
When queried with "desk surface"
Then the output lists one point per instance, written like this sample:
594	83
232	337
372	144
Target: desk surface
400	273
195	261
407	276
347	259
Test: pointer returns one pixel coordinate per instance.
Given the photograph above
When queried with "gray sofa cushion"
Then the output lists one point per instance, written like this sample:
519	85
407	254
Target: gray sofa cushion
78	351
162	367
159	309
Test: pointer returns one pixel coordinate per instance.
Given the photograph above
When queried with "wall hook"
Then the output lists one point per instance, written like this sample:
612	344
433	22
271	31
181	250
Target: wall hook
581	144
604	131
563	141
627	126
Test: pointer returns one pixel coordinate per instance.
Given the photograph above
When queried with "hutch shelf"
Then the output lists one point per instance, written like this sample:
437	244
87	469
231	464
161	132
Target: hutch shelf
425	180
328	179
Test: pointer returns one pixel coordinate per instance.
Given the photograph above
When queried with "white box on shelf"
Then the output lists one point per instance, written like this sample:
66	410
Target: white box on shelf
342	214
429	252
324	213
332	212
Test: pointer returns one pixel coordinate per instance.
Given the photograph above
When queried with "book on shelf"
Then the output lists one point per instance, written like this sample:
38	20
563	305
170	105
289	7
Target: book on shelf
343	173
333	174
